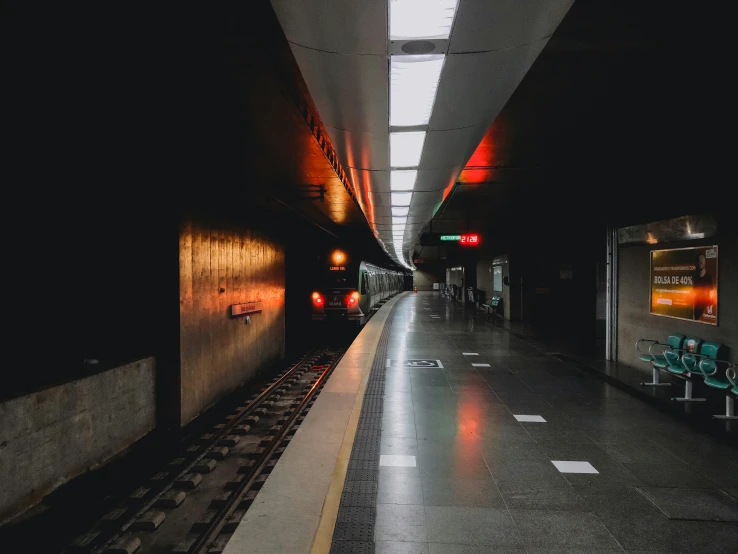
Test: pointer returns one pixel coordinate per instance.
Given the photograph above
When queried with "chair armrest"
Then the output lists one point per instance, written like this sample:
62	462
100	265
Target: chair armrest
639	341
695	360
707	373
730	373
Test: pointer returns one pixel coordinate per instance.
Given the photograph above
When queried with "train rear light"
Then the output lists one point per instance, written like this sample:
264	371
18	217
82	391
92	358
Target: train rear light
352	298
318	298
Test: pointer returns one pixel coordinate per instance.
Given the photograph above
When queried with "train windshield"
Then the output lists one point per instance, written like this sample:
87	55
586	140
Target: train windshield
334	280
344	278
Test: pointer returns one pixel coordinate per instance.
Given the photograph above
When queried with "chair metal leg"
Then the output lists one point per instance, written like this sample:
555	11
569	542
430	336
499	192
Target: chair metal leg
729	409
688	394
656	380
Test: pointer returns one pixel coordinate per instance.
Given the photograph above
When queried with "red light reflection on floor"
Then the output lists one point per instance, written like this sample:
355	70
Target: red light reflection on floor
469	427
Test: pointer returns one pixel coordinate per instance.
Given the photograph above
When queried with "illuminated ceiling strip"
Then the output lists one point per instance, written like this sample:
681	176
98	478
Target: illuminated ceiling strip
400	211
403	179
406	148
401	198
413	19
413	86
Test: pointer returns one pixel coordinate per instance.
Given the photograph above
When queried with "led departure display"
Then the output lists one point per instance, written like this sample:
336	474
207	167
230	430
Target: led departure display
468	239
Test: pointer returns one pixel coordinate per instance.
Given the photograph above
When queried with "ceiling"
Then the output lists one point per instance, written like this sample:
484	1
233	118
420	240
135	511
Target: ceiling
598	131
273	132
343	49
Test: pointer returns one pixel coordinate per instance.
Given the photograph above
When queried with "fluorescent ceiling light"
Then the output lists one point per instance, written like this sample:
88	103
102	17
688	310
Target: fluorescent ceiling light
411	19
401	198
403	179
399	220
396	211
405	148
413	85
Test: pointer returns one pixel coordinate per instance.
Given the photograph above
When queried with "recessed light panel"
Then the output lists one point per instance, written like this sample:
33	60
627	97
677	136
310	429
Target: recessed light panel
403	179
401	198
411	19
413	86
405	148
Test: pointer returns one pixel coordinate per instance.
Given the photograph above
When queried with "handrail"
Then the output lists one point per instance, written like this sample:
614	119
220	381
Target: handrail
664	348
654	342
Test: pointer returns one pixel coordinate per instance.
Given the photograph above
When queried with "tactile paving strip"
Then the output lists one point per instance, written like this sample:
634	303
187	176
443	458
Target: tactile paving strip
352	547
354	531
358	499
351	514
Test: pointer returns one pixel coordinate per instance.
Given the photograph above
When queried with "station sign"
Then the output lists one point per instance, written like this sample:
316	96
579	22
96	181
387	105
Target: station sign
246	308
454	238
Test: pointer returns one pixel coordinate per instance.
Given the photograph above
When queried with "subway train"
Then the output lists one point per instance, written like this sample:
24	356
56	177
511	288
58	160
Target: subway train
351	290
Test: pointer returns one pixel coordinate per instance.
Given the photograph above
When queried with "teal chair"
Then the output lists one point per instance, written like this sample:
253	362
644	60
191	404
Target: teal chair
655	355
681	362
709	369
696	351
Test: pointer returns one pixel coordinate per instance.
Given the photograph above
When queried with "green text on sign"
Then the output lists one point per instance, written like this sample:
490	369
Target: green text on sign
450	237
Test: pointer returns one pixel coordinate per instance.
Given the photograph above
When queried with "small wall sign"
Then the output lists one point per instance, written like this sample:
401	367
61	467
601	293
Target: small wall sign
246	308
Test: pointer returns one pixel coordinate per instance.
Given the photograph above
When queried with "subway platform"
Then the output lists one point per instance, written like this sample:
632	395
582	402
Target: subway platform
442	433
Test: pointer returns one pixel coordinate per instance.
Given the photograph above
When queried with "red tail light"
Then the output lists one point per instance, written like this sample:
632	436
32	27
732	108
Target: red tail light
317	299
353	298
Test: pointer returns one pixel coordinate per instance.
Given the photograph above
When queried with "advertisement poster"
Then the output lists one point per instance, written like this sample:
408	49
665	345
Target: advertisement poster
684	283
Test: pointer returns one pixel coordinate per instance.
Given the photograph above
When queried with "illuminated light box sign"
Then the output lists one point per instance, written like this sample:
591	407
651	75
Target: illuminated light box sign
246	308
684	283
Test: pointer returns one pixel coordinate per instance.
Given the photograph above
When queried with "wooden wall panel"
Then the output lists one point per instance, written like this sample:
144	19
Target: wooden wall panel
218	353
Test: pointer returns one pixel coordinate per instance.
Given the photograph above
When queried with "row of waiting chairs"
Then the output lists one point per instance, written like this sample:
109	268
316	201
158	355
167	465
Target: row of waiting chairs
684	357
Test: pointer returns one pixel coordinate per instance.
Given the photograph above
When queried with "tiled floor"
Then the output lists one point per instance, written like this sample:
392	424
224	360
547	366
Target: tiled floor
501	448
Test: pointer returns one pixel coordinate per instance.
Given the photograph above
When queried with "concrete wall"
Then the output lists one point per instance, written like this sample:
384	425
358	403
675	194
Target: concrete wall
635	321
217	352
427	274
49	437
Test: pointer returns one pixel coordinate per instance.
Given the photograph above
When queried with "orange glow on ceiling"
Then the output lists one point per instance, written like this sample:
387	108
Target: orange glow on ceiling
481	166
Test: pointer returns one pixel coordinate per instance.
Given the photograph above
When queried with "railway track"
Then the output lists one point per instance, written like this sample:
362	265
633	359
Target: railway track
192	505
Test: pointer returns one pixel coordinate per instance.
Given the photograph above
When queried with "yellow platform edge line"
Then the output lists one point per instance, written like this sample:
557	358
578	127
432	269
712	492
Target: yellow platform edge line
324	534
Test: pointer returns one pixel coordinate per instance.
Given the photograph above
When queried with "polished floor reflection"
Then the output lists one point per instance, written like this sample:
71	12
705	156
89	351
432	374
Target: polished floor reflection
502	448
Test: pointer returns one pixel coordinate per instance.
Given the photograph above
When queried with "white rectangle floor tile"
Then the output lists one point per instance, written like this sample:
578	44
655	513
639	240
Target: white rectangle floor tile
574	467
530	418
481	365
396	460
